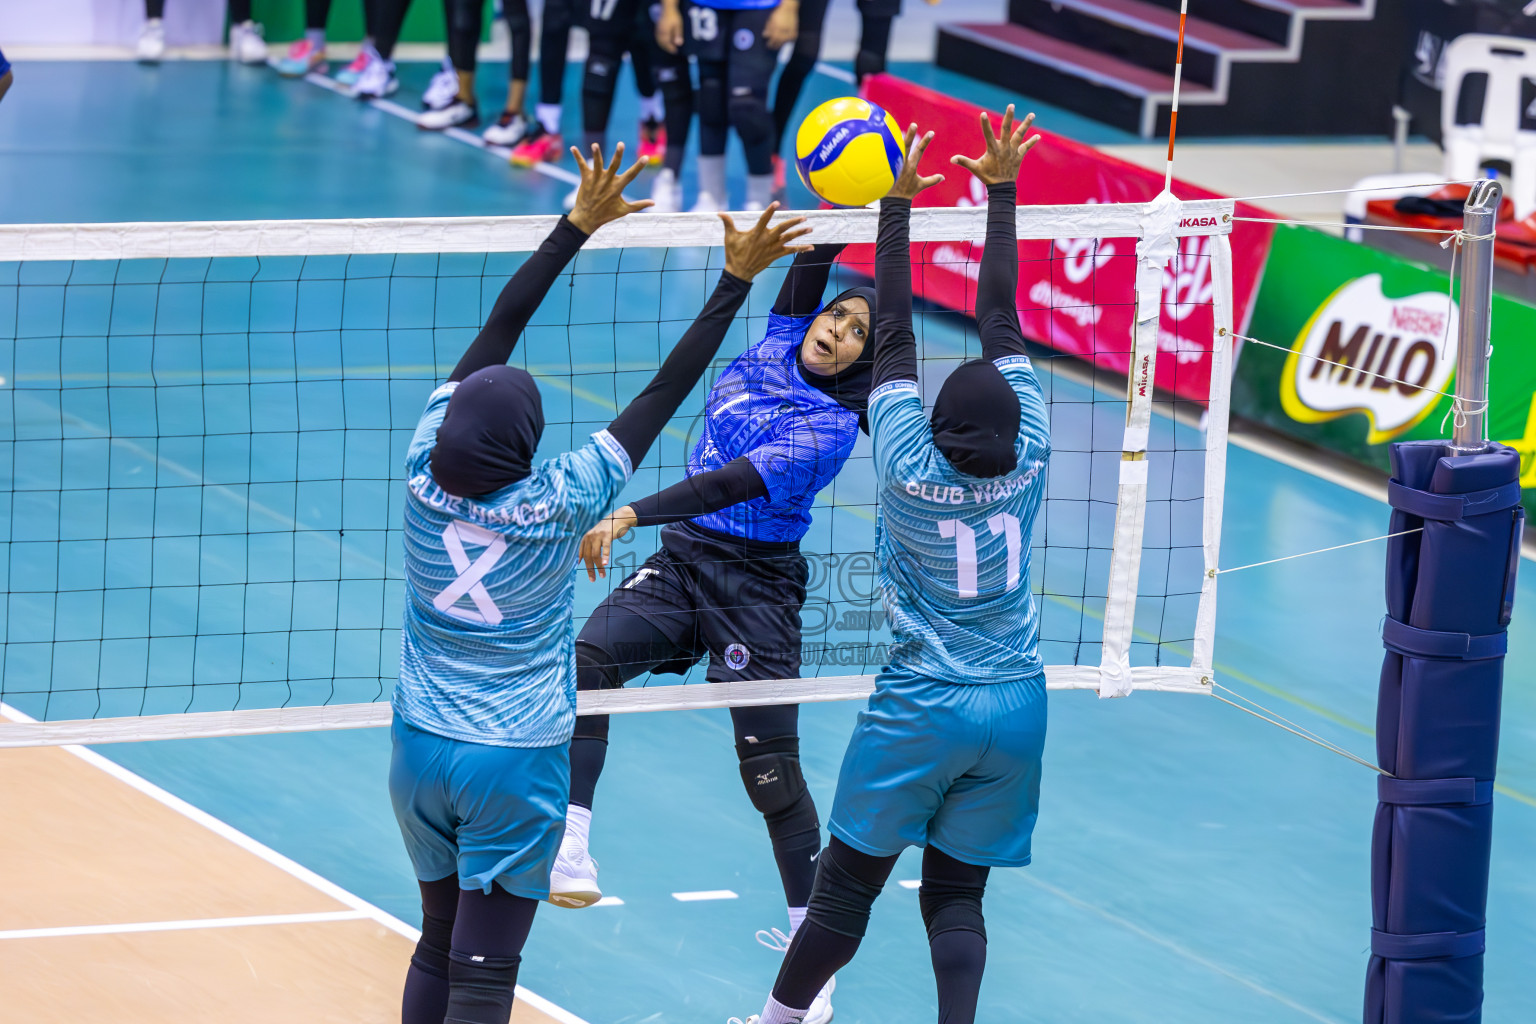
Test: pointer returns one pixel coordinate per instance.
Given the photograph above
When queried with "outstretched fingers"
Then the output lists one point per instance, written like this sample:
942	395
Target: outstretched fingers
986	128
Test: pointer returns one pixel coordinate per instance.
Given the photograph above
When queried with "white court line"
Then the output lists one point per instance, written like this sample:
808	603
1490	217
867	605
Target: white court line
833	71
457	134
910	883
181	926
704	894
271	856
609	901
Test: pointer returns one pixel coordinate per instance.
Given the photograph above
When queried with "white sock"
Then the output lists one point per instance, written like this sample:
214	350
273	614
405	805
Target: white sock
796	916
578	823
776	1012
712	176
316	37
759	189
549	117
651	108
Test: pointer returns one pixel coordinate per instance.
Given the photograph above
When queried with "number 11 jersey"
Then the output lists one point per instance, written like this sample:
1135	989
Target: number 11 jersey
953	549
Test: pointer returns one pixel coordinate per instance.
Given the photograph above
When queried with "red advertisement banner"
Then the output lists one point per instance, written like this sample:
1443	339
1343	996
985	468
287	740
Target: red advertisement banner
1076	295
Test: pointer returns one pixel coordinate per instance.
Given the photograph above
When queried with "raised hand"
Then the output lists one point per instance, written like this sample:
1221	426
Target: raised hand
600	196
1005	151
908	182
783	24
748	253
597	545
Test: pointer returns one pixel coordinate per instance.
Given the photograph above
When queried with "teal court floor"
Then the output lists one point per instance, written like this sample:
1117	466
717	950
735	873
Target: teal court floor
1191	863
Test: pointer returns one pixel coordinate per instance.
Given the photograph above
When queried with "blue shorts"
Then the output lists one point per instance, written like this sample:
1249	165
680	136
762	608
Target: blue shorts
957	766
487	814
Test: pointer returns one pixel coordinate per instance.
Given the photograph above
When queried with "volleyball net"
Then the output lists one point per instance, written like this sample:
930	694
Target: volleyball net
204	428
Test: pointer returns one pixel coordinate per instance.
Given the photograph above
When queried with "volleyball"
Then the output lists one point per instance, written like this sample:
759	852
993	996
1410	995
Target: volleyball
848	151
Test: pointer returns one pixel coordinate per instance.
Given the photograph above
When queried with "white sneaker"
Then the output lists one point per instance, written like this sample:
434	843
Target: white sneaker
442	90
247	43
820	1011
151	41
457	114
706	203
508	130
573	880
666	192
378	79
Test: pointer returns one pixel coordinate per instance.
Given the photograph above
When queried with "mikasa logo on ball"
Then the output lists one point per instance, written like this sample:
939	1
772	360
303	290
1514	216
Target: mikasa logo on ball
834	140
1363	352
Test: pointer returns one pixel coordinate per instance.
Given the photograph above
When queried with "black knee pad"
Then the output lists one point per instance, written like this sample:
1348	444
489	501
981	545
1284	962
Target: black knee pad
558	17
431	953
840	900
774	781
949	905
481	988
595	668
748	112
711	100
866	63
601	76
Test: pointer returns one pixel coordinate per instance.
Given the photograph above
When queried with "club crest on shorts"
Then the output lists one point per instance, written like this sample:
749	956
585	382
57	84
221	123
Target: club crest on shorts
744	39
736	657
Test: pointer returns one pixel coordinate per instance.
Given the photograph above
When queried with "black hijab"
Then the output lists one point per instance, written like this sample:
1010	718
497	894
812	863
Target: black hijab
850	386
490	432
976	420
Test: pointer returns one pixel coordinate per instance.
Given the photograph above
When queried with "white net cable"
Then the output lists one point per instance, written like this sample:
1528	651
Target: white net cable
205	426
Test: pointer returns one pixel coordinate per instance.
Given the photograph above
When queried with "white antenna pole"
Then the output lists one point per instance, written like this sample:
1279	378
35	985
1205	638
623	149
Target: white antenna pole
1178	77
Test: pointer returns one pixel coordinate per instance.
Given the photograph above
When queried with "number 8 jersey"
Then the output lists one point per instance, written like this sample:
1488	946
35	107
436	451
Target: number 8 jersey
953	548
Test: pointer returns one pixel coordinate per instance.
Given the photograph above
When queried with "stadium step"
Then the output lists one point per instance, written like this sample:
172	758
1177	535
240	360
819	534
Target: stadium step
1250	66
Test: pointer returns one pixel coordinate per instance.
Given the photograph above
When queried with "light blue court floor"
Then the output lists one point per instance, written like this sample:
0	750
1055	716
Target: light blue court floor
1192	864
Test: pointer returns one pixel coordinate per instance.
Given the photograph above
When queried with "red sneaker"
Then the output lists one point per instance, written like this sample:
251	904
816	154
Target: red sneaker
653	141
538	147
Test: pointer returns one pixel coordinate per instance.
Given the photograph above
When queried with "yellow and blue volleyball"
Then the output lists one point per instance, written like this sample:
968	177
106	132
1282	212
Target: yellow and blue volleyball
848	151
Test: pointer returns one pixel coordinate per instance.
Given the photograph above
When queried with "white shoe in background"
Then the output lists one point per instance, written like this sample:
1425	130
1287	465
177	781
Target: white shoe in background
442	90
247	43
151	42
666	192
457	114
508	130
706	203
573	880
377	79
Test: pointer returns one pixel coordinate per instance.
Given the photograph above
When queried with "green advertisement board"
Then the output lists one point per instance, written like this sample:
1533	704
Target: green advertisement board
1367	347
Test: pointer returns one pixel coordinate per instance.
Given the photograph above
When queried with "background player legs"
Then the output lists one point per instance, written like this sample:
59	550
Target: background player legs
714	128
544	143
377	77
465	965
512	125
786	93
750	70
642	51
876	17
950	899
674	79
459	109
608	38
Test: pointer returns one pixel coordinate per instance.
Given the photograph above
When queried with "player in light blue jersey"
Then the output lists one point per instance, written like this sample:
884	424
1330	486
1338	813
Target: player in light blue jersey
486	700
947	754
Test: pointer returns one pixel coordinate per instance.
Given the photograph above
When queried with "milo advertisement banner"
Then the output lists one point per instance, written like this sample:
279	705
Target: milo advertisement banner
1368	353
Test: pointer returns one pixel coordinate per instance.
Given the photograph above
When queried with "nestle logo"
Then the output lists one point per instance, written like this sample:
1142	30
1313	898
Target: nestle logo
1417	321
1198	222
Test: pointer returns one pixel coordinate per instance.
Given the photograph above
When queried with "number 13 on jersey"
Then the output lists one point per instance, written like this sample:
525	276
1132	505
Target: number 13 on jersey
1002	524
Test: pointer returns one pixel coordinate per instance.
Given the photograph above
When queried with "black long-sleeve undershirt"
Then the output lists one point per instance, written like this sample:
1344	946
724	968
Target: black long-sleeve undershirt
733	483
997	288
806	283
641	422
895	344
519	300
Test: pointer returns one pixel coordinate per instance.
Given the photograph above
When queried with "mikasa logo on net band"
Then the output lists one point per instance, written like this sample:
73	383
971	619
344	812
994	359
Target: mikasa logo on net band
1388	358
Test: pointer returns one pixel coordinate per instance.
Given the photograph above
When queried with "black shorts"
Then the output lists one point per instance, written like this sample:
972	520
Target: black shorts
738	601
733	37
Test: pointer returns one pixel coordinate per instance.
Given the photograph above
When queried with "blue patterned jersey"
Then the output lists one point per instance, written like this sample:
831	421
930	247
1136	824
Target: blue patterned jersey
795	436
488	651
954	549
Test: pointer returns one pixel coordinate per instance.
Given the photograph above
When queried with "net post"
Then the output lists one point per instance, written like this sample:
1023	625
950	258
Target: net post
1473	351
1218	409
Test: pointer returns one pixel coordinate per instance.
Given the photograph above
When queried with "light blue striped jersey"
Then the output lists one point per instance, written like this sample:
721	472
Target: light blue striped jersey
954	549
488	651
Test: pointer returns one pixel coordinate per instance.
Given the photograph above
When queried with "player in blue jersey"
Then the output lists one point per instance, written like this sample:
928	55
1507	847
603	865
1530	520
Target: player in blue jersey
736	44
947	754
5	76
486	698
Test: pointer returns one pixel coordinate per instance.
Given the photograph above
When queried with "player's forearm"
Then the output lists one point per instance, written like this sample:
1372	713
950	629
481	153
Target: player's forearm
637	427
699	495
806	283
997	313
895	344
519	300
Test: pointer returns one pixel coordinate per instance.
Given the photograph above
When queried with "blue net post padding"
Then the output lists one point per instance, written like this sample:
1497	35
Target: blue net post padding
1449	596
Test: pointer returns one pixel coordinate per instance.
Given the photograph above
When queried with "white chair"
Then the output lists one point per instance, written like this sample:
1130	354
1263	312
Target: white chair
1509	63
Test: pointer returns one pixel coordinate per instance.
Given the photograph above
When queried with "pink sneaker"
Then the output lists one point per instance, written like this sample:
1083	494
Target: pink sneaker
348	75
301	59
653	141
538	147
